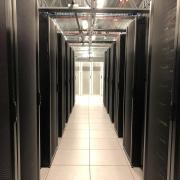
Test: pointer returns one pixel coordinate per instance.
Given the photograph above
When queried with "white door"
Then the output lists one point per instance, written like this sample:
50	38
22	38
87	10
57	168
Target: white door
89	78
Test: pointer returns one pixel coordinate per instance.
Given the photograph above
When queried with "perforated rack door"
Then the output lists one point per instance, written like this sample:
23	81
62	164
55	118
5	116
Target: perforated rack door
159	115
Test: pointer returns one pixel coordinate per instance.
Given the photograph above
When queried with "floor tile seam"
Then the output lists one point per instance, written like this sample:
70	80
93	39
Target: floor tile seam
74	149
123	165
109	166
130	169
87	149
47	174
87	165
69	165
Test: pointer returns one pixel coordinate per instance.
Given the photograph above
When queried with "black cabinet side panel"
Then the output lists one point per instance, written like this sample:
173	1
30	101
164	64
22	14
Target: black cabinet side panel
129	86
6	158
119	85
107	79
62	83
104	81
45	89
112	81
53	85
26	35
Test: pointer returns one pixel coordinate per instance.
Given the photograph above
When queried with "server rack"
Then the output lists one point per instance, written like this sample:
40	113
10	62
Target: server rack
68	70
72	79
104	87
175	158
61	84
107	79
48	85
119	85
9	100
27	60
66	81
162	90
112	81
134	101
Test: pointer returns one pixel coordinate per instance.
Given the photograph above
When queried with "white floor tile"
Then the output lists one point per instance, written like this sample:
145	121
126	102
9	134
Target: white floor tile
137	173
72	157
104	144
74	144
78	126
44	173
107	157
102	134
69	173
76	134
111	173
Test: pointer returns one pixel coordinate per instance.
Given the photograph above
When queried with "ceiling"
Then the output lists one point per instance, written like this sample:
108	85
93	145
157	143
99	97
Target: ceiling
91	34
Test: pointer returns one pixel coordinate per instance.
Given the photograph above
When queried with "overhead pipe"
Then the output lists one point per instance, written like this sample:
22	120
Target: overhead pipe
129	11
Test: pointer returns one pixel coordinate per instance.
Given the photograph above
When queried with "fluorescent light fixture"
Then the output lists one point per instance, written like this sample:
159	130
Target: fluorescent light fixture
85	24
100	3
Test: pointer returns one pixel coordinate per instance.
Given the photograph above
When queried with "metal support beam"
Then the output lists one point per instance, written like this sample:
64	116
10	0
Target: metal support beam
110	30
129	11
72	42
98	32
79	27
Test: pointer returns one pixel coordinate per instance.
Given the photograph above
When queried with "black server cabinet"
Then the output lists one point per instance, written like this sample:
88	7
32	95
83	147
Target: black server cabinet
66	82
119	85
61	84
104	83
72	79
134	101
107	79
27	60
9	103
112	81
68	69
161	103
175	159
48	87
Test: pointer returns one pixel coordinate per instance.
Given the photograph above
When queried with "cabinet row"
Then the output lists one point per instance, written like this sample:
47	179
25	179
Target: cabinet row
141	91
36	89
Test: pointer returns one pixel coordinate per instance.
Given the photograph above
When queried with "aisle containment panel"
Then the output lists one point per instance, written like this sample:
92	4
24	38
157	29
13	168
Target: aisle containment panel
134	98
9	104
27	60
112	81
61	84
119	85
161	102
48	87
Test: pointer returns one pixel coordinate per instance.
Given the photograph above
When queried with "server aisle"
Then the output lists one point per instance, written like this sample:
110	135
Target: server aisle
90	148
